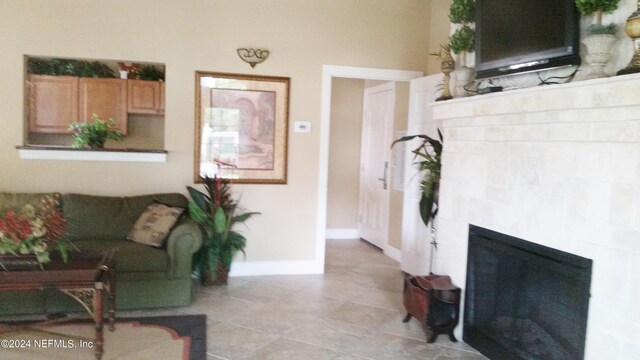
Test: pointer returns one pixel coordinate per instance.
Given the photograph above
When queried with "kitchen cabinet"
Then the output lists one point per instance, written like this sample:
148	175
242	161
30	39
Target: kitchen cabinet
53	103
145	97
103	96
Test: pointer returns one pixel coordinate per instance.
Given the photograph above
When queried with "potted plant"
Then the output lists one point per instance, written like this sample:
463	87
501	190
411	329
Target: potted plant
416	294
598	7
218	214
447	66
632	28
462	41
599	37
428	155
94	133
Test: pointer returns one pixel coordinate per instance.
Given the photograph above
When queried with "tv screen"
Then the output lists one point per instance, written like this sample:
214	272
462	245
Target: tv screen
524	35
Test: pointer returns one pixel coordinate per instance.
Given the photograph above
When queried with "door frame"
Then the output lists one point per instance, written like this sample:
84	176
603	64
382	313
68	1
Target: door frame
328	73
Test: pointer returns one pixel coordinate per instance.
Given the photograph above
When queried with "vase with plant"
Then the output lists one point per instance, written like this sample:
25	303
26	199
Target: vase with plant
94	133
462	41
218	215
447	66
600	37
33	231
428	156
632	28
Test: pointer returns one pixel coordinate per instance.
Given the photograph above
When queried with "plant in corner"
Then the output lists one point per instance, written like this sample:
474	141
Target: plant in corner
218	214
428	160
94	133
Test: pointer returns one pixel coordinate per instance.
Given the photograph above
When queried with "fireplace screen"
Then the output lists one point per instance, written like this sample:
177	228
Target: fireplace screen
524	300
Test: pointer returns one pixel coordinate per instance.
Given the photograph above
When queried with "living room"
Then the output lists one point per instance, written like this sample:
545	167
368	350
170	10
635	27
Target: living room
201	35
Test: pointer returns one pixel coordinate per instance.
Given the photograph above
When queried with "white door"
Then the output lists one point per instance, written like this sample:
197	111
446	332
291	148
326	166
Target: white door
377	127
415	235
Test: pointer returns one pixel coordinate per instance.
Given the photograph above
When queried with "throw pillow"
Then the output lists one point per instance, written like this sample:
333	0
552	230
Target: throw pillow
154	224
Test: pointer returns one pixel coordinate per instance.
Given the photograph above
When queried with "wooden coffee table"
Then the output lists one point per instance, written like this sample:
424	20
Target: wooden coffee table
85	277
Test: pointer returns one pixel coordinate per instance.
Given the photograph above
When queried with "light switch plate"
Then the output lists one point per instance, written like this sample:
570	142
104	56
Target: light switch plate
302	127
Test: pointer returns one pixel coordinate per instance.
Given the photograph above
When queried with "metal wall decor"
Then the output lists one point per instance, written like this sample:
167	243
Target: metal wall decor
253	56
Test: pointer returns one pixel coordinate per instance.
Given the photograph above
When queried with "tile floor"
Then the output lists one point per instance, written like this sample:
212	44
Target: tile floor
353	311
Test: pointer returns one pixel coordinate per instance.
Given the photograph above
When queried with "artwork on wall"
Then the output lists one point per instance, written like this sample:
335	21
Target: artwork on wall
241	127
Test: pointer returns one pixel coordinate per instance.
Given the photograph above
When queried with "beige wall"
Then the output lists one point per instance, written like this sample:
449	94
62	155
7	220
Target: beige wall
439	26
344	153
190	35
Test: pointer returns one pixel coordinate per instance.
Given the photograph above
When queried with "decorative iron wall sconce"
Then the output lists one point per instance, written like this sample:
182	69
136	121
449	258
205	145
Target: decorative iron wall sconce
253	56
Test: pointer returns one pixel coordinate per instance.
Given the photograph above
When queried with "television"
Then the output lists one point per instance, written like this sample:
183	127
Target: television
515	36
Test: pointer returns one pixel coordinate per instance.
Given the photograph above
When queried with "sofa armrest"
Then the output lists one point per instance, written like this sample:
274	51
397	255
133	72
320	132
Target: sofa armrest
184	241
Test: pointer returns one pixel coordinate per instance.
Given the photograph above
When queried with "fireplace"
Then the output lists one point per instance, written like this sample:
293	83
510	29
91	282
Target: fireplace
524	300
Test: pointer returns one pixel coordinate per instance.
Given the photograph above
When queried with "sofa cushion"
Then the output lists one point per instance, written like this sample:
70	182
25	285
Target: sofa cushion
154	224
109	218
130	256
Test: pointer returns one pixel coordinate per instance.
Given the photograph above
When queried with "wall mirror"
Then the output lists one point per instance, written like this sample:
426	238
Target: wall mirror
241	127
59	91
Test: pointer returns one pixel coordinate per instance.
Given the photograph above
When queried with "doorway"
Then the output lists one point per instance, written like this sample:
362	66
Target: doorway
331	73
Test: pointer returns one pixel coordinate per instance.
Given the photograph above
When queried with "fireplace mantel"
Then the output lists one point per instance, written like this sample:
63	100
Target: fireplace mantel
557	165
616	91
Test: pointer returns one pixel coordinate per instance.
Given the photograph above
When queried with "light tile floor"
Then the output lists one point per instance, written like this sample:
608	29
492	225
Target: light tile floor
353	311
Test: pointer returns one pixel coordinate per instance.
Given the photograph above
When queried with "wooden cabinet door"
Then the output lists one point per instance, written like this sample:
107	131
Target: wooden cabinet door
145	97
105	97
53	103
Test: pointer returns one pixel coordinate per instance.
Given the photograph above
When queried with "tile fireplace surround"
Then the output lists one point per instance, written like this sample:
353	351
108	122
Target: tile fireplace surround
556	165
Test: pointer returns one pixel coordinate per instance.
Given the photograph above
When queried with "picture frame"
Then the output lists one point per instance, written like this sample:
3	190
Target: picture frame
241	127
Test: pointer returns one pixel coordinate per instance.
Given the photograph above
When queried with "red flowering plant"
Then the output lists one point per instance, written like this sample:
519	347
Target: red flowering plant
218	214
34	229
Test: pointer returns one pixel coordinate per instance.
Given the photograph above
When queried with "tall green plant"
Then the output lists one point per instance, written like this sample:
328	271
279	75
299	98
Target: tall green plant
428	159
217	213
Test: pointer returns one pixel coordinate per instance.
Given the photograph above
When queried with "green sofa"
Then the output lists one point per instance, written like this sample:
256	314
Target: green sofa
146	276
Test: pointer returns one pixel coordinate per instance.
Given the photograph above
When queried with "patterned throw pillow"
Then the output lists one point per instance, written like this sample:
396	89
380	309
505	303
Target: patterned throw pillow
154	224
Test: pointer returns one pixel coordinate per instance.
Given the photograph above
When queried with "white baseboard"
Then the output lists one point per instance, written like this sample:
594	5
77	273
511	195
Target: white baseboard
257	268
393	253
342	234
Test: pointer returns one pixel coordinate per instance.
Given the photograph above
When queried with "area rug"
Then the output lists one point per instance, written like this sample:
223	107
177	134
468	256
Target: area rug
161	337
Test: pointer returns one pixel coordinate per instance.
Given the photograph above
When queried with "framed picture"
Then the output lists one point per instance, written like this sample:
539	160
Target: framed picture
241	127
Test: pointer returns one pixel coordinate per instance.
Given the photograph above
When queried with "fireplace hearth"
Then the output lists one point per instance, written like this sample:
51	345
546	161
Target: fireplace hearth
524	300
